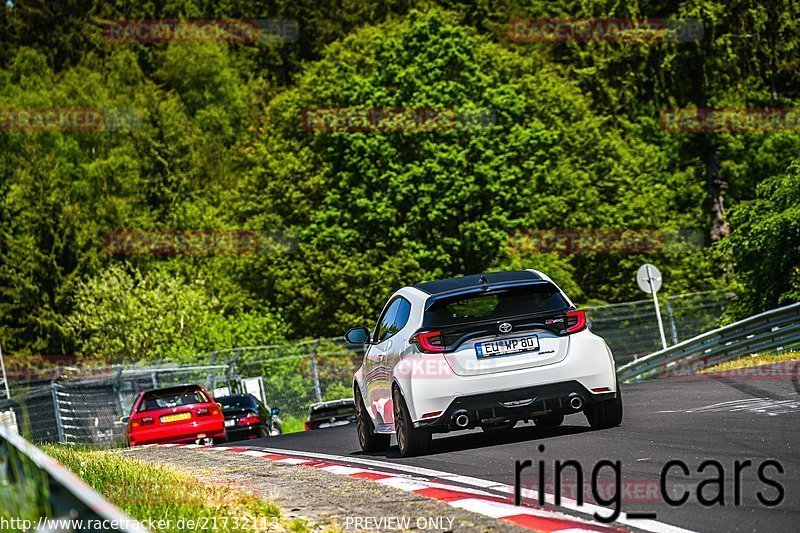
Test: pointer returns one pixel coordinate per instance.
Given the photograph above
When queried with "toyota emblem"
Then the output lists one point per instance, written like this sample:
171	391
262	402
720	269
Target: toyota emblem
505	327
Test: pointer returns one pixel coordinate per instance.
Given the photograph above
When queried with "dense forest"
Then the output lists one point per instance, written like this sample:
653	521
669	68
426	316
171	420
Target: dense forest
212	134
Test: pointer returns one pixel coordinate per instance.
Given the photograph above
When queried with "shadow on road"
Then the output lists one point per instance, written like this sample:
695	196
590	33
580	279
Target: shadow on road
479	439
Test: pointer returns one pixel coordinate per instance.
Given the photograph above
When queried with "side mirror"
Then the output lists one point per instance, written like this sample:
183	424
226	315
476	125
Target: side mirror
124	419
357	335
275	411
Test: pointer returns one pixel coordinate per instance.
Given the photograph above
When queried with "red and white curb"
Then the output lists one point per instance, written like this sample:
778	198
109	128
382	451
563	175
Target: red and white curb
469	499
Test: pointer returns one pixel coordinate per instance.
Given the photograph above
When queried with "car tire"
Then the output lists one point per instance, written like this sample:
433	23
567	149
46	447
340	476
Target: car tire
410	440
606	414
502	426
367	438
549	421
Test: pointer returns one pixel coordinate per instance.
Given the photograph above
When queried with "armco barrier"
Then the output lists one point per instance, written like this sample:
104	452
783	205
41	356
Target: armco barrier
62	495
775	329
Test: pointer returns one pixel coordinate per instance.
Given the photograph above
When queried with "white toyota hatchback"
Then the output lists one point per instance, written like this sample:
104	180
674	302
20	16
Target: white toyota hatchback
482	351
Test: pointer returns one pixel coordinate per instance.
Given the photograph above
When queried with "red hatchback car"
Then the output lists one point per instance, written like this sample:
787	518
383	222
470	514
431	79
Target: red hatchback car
182	414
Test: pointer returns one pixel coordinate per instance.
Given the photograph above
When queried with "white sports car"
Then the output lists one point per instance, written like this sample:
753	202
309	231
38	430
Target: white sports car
482	351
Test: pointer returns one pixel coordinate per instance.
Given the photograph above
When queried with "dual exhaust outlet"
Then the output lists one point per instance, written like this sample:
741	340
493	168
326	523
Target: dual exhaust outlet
461	417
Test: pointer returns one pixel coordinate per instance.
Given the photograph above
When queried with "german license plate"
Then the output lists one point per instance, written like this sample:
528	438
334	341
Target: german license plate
529	343
177	417
230	423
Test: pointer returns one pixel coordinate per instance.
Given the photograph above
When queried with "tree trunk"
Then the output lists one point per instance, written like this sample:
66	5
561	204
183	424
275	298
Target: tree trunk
716	186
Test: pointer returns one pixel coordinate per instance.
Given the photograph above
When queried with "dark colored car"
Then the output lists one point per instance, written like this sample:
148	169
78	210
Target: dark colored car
330	414
247	418
181	414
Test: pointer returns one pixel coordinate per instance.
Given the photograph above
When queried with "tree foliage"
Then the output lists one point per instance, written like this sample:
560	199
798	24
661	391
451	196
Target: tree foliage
550	136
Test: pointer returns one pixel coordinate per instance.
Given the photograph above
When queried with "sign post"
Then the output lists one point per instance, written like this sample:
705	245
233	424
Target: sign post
649	279
5	377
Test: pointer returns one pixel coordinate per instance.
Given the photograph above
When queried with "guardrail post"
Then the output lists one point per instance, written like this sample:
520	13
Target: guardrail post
57	409
230	371
672	327
117	386
317	391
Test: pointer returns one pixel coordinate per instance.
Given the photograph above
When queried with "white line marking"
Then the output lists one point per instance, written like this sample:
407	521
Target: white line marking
587	508
343	470
292	461
254	453
402	483
488	508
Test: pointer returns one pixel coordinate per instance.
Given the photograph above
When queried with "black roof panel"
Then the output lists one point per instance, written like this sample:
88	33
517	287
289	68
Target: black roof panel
474	281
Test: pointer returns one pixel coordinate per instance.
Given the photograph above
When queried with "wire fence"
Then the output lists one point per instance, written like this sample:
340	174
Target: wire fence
631	328
84	405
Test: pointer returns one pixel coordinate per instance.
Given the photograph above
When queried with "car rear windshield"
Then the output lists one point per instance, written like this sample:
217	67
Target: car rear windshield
331	410
236	402
496	304
162	399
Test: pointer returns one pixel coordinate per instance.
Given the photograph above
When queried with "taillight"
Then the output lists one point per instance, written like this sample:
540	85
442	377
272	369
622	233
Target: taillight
576	321
139	422
428	341
307	426
249	420
205	411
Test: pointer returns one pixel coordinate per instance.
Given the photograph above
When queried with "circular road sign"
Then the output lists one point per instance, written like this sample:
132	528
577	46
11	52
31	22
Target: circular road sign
648	271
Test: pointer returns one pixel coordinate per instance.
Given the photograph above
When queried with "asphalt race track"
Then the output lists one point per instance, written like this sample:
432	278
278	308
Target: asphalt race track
691	420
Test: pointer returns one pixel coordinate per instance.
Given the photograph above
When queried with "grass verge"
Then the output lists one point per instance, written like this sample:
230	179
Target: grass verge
146	491
293	424
753	360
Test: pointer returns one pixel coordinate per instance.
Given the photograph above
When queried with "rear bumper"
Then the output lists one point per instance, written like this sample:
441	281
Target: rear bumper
185	433
587	370
517	404
249	432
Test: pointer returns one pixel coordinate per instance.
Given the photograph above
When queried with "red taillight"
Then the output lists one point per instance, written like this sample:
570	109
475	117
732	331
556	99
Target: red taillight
138	422
205	411
249	420
429	341
307	426
576	321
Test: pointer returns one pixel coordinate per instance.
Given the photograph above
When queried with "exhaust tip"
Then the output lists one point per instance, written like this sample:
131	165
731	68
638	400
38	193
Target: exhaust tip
461	419
575	401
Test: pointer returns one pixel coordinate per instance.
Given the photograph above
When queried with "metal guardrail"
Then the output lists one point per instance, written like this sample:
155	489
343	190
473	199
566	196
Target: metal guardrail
69	503
774	329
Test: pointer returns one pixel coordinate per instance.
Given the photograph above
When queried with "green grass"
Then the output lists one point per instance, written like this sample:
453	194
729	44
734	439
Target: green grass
293	424
23	490
753	360
147	491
